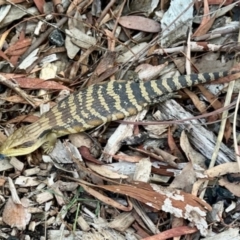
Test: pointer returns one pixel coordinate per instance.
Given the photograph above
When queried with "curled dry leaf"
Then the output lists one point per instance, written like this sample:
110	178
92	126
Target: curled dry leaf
124	157
232	187
195	99
106	172
147	71
193	156
80	139
88	156
140	23
16	215
222	169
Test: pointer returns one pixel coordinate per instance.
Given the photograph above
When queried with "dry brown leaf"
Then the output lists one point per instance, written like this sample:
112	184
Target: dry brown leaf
204	28
210	97
3	37
179	203
124	157
216	104
18	99
148	72
173	233
80	139
185	179
16	215
18	1
197	103
105	68
37	83
12	75
4	56
173	146
140	23
103	170
220	2
193	156
40	4
24	118
228	130
2	181
166	157
206	23
105	199
85	152
232	187
15	99
2	137
105	63
19	47
222	169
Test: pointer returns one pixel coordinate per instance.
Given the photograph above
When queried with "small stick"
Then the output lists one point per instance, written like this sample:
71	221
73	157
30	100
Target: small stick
15	87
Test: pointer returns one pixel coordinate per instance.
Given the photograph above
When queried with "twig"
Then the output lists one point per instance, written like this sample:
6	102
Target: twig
104	12
221	130
18	90
235	130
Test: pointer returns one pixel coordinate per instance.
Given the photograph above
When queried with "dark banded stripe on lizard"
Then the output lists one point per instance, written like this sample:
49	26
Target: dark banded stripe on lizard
94	106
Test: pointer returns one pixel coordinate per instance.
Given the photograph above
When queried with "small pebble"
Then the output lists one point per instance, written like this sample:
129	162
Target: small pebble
56	38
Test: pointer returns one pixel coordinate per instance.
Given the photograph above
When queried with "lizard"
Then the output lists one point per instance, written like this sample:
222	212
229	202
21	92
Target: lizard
96	105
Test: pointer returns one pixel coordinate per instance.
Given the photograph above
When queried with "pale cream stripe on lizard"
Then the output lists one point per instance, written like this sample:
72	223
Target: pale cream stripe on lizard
118	106
131	96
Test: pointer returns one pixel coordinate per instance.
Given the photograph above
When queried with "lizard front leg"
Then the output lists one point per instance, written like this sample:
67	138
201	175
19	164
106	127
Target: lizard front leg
51	139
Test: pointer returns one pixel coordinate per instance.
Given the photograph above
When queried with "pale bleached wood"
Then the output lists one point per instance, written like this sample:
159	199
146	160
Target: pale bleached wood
200	138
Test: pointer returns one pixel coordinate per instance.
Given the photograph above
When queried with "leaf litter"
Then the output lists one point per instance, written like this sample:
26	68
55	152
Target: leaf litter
120	181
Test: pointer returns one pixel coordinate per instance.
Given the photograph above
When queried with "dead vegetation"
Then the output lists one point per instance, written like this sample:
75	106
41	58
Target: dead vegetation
141	178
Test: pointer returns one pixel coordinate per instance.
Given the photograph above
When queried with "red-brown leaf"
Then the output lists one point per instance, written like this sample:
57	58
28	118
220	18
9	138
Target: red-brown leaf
37	83
140	23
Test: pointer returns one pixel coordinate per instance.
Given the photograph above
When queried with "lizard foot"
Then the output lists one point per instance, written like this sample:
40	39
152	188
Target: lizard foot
49	145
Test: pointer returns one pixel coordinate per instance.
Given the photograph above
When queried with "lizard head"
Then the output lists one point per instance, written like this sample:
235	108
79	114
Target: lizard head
20	143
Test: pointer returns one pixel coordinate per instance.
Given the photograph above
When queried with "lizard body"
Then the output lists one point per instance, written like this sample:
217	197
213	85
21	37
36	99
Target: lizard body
96	105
